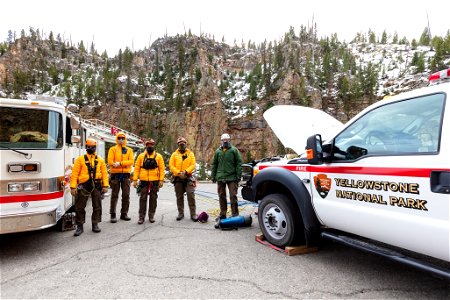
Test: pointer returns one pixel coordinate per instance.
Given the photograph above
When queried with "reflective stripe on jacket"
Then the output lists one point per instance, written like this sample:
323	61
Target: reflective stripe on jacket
156	174
80	172
178	164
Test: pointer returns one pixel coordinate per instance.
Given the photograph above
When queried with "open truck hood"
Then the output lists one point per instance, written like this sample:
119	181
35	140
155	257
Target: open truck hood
294	124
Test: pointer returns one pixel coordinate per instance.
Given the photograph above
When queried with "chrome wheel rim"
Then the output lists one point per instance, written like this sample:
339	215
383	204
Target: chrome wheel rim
274	221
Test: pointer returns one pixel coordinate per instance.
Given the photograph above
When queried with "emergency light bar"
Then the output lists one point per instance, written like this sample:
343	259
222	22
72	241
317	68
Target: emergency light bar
444	74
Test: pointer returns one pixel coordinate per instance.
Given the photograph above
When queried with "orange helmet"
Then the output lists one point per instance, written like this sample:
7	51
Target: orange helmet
91	142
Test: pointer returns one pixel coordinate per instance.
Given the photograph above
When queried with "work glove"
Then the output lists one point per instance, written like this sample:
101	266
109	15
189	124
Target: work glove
135	184
104	190
161	183
182	175
116	164
73	191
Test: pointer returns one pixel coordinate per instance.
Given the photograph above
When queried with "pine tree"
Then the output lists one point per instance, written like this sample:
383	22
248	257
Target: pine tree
384	37
372	37
81	47
10	38
170	83
395	38
425	39
437	63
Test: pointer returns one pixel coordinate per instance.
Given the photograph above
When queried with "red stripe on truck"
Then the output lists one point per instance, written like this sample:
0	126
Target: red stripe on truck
29	198
409	172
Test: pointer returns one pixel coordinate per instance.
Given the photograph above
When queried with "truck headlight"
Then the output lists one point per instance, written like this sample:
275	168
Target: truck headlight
24	187
31	186
15	187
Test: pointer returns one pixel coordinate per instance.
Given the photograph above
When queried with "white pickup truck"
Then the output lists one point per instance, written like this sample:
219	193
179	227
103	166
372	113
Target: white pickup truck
379	183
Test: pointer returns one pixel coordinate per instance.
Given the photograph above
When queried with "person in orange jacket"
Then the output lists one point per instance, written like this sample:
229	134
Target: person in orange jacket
89	178
182	165
149	169
120	160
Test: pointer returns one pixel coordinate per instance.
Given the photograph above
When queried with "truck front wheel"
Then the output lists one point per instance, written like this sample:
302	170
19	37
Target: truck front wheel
279	220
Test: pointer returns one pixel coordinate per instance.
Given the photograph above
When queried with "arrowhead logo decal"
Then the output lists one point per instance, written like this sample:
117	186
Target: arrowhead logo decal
323	184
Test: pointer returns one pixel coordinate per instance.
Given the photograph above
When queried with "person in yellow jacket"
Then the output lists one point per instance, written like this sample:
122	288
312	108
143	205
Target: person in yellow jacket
182	165
149	169
89	178
120	160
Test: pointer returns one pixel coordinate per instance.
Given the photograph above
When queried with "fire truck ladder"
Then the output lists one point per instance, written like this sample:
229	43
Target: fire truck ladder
107	132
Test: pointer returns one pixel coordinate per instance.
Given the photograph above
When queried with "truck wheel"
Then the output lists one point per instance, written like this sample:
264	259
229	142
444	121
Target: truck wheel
279	220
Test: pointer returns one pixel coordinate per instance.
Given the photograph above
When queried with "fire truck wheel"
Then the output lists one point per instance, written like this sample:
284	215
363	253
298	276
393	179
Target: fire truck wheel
279	220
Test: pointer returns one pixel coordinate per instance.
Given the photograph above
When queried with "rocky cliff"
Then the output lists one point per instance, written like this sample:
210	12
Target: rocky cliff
199	88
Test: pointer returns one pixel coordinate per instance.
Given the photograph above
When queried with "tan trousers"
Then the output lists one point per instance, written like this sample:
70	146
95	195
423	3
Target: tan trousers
149	190
117	183
187	187
232	189
80	206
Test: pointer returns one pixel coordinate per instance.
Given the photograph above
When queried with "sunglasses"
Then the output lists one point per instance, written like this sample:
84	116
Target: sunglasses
121	138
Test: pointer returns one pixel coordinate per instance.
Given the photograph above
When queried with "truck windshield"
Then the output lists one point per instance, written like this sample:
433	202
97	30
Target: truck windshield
24	128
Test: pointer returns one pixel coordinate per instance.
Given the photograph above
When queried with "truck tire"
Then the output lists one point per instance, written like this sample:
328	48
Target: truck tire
279	220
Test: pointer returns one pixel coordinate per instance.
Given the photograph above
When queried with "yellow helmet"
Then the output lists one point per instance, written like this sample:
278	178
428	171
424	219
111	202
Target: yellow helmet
91	142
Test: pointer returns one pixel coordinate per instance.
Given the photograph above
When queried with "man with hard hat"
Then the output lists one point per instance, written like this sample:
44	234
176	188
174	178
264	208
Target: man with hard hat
182	165
89	178
149	169
120	160
227	171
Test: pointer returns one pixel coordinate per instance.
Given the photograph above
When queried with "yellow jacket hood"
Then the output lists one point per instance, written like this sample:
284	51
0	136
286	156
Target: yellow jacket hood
121	134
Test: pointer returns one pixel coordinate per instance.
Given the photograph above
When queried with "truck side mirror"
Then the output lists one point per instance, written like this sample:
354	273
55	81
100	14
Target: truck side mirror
74	123
314	152
75	139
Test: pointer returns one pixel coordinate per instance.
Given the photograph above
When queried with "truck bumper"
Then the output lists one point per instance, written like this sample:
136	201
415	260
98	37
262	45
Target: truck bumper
247	193
27	222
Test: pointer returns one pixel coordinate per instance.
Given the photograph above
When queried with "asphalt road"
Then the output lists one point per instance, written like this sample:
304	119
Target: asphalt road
170	259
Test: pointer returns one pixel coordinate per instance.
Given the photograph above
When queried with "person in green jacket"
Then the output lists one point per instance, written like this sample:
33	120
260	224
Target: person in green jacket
227	171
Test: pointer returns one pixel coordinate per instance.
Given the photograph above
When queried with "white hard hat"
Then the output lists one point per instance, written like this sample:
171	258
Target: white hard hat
225	136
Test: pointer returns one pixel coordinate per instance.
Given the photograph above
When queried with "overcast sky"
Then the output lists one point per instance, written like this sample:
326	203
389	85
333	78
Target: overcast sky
117	24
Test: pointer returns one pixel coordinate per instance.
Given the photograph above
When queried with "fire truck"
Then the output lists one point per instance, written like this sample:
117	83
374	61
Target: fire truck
380	183
39	141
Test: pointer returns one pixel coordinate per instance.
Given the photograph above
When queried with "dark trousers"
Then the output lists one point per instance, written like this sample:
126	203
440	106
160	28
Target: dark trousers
80	206
117	182
232	189
181	187
149	190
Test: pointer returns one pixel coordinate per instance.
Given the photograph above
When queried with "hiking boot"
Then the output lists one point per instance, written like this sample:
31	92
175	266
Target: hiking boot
194	218
95	227
151	219
79	230
180	216
113	218
125	217
141	220
221	217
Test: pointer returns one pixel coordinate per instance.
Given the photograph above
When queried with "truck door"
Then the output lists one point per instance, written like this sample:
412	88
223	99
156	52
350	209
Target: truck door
379	183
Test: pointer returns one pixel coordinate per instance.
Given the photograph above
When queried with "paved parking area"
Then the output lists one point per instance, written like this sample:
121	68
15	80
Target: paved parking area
171	259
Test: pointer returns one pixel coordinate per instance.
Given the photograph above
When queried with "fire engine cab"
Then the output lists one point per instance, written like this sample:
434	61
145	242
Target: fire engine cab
39	141
380	183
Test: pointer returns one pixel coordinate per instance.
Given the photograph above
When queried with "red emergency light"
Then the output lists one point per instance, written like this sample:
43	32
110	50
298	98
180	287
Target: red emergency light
440	75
